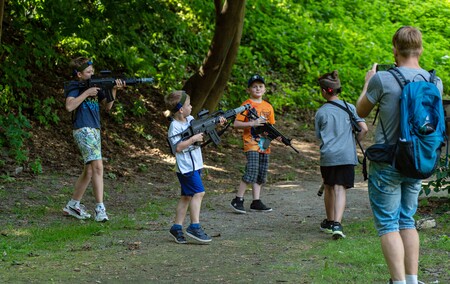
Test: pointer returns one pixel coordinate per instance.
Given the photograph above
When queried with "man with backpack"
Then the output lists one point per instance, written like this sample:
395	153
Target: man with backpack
393	193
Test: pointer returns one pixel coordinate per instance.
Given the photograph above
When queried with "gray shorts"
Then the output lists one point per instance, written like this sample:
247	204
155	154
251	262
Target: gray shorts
256	168
89	142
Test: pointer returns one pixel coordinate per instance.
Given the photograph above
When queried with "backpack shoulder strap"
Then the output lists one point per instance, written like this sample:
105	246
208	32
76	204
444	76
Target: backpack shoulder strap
398	76
433	78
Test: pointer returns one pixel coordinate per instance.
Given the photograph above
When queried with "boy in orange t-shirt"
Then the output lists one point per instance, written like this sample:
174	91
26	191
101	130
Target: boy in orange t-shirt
257	156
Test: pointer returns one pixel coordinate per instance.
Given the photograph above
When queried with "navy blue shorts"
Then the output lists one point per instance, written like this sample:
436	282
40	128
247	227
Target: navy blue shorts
339	175
191	183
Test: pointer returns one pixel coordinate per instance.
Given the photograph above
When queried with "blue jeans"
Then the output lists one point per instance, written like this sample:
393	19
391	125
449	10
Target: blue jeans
393	198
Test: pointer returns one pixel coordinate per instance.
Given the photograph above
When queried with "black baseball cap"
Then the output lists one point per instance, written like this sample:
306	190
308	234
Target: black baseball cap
255	78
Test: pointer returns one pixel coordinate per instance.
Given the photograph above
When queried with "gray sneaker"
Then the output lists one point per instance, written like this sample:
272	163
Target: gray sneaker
100	215
178	236
198	235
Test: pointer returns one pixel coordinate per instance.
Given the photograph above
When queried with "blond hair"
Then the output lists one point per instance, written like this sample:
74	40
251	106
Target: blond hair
407	41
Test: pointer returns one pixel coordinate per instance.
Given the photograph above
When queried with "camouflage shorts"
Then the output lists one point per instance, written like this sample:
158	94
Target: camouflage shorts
89	142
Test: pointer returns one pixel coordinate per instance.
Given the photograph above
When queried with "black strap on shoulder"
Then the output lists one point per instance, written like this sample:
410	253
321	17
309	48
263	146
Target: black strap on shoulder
341	107
433	78
398	76
352	117
401	80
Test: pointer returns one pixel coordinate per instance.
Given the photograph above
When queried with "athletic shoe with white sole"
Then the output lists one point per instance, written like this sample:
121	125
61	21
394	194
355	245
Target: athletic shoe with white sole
338	232
78	212
238	205
326	226
100	215
198	234
258	206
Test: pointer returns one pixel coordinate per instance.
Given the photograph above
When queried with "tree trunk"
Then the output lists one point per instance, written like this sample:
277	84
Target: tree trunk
206	86
2	8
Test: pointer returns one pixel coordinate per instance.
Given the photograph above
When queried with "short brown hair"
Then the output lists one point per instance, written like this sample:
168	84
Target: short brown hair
173	99
407	41
77	63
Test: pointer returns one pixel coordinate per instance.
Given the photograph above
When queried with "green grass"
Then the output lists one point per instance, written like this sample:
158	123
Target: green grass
33	243
358	258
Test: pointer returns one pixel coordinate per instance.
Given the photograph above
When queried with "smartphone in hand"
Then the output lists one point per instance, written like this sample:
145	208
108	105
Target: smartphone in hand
384	67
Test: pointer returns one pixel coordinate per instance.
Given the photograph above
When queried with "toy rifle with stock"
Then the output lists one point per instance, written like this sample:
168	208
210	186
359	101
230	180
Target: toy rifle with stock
104	83
272	132
206	124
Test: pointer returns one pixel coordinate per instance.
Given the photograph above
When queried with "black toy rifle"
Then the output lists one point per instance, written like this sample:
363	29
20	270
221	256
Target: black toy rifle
104	83
206	124
272	132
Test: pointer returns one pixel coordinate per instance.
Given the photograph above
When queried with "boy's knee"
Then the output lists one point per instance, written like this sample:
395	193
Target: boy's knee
97	166
201	194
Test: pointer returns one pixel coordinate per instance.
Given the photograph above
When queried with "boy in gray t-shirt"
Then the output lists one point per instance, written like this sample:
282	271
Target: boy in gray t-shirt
337	151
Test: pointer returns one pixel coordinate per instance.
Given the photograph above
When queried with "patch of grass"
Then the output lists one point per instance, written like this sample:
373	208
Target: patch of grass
154	209
17	243
356	259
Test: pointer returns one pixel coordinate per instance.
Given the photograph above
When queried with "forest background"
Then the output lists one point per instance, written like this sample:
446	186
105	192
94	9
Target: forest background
289	42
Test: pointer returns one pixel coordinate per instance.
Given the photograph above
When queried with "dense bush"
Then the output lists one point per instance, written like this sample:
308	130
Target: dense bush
290	42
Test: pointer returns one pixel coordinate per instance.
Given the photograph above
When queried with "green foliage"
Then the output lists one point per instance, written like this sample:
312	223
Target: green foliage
118	112
139	108
293	42
13	133
290	42
441	182
36	166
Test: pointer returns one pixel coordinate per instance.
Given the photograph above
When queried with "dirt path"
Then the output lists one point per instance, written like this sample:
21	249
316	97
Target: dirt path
245	247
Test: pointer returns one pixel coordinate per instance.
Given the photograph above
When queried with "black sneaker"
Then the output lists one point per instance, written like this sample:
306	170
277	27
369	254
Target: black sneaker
238	205
326	226
338	232
178	236
257	205
198	235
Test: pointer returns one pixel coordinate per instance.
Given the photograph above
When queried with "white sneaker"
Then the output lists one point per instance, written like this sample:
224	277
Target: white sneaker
100	215
78	212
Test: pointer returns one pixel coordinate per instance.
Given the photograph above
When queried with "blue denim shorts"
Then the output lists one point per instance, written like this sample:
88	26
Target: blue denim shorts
393	198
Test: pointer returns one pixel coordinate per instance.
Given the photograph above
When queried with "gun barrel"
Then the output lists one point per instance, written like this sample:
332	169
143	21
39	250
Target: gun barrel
134	81
242	108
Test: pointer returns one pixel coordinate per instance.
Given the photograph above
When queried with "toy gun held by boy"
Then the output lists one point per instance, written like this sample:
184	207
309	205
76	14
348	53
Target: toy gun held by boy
272	132
105	83
206	124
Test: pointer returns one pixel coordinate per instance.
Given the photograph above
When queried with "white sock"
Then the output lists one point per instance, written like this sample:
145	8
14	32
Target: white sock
399	282
411	279
74	203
